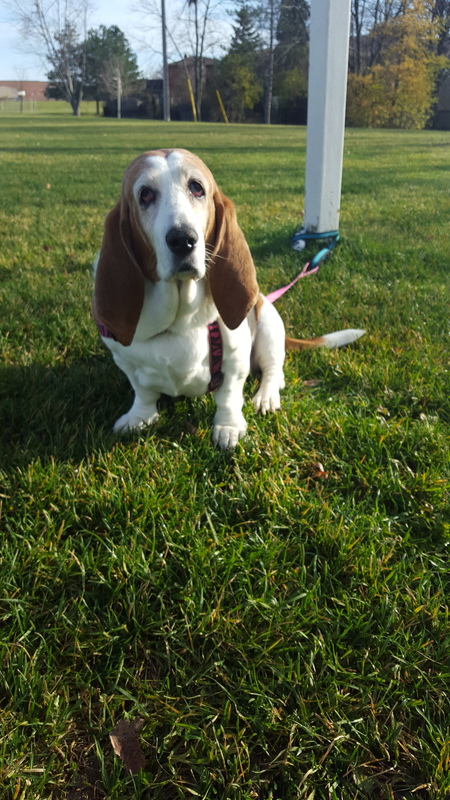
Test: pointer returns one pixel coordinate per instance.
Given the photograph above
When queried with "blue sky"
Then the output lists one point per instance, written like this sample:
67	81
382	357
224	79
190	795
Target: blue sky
18	62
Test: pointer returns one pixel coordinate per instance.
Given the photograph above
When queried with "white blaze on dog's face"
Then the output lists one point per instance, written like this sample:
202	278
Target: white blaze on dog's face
173	196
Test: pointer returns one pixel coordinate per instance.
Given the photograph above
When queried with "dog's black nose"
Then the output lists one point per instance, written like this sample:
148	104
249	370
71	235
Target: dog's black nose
181	240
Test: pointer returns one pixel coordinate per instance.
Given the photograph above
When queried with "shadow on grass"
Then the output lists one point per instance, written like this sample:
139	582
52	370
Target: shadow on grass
66	412
56	412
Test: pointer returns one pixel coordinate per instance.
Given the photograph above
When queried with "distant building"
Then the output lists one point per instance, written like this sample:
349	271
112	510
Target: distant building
442	113
180	102
34	90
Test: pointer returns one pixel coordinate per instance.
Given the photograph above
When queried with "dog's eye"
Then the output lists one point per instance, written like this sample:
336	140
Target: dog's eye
146	196
196	189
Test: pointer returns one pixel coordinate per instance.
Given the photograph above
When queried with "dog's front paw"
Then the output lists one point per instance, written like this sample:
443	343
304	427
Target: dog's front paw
267	399
226	436
134	421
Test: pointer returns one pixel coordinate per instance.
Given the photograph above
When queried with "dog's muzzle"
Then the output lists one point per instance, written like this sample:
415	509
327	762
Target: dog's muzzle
181	241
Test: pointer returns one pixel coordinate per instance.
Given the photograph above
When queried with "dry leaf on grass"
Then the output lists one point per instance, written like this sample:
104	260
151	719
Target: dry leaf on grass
125	742
312	383
318	471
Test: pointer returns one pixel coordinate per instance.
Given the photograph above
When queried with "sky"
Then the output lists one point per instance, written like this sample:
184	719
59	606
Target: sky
18	62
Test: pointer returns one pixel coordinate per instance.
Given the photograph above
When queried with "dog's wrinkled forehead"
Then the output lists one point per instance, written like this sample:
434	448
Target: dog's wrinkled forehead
180	165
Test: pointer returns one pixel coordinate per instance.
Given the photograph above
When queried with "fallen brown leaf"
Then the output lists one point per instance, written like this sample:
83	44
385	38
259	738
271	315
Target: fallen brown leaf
125	742
318	471
312	382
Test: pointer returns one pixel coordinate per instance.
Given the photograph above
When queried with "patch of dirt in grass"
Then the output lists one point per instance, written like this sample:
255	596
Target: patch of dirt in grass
86	784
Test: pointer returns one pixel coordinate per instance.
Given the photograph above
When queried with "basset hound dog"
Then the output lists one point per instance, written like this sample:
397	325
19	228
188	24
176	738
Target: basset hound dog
176	298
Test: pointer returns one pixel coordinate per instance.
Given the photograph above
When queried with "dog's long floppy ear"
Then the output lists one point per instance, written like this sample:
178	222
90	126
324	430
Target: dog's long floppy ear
119	278
232	274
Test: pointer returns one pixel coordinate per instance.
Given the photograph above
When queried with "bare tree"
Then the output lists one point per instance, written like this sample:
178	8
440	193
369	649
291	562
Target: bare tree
284	27
59	30
369	20
116	69
358	22
117	79
440	10
194	29
200	13
270	11
113	77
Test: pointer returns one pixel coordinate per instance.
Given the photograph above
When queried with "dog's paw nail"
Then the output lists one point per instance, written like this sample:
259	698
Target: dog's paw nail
227	437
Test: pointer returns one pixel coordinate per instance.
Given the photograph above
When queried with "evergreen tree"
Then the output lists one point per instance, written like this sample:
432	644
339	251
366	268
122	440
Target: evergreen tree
246	39
241	85
109	52
292	33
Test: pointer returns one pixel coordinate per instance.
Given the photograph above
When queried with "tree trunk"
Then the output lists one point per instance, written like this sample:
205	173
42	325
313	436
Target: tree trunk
269	77
269	91
75	101
199	86
357	26
197	66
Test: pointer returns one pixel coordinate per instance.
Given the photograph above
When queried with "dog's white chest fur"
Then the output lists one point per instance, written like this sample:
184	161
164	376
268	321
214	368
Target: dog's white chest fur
169	363
170	352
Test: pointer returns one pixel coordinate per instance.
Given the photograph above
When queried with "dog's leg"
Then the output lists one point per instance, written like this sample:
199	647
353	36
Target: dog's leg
229	422
144	410
268	357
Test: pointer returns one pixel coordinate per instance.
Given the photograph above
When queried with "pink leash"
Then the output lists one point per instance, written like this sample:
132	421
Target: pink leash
273	296
310	267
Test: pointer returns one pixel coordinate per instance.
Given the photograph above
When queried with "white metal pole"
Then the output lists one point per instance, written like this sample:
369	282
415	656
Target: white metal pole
327	91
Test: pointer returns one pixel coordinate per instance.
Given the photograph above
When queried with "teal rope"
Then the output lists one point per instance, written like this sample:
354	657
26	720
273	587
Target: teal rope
306	237
315	263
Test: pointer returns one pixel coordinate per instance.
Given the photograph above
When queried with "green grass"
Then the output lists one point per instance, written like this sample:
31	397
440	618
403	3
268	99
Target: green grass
284	634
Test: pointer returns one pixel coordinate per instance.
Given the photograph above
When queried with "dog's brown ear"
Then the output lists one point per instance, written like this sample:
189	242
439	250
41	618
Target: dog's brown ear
119	278
232	274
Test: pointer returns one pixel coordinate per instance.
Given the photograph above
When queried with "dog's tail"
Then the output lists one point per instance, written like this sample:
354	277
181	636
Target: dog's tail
330	340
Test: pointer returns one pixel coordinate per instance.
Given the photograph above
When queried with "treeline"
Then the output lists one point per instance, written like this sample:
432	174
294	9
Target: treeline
263	76
398	56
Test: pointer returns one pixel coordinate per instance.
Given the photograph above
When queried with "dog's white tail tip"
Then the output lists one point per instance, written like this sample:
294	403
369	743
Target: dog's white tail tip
341	338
